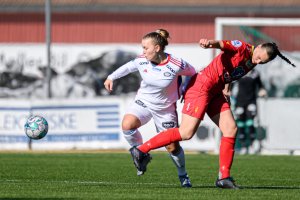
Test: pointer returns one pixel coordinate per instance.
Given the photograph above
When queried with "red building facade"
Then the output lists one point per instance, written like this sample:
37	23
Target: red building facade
101	25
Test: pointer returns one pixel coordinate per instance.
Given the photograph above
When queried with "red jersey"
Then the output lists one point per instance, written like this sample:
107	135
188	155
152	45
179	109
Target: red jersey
231	64
204	93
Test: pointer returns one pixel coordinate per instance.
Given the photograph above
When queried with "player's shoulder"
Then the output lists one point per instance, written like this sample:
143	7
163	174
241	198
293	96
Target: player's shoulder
179	62
238	43
236	46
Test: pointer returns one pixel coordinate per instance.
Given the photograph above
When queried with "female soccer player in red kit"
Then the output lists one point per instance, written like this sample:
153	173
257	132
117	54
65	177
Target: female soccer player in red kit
207	93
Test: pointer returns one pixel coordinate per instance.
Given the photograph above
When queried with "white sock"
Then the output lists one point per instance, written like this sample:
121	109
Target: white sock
179	161
133	137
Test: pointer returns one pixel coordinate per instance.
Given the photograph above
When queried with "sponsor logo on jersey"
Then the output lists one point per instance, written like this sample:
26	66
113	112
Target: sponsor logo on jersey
143	63
236	43
167	74
140	103
171	69
168	124
156	69
145	70
236	74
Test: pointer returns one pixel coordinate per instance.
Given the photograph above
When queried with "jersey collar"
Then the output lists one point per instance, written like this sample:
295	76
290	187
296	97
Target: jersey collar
164	63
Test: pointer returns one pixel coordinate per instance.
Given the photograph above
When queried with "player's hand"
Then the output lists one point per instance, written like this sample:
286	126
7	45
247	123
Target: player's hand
262	93
108	84
205	43
227	97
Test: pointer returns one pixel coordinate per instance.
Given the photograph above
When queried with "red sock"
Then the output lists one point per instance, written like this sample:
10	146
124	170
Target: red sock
226	156
160	140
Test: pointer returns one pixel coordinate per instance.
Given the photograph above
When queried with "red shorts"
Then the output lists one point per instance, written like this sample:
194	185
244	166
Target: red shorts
203	97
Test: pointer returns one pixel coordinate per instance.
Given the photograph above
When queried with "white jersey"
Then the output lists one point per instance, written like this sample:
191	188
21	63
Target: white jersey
159	88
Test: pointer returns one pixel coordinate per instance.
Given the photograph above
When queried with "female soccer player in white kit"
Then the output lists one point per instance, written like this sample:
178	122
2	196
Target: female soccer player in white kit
156	98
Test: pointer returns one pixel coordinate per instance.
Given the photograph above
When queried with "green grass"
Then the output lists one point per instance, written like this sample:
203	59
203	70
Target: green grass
113	176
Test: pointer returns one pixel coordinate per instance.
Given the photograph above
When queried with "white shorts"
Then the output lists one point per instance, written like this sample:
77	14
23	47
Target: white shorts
163	119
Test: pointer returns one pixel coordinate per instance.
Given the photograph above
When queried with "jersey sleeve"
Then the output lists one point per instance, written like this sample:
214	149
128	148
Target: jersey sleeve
123	70
233	45
187	69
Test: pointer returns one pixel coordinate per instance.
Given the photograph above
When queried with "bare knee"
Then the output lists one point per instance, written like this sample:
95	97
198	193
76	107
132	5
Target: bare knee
234	131
130	122
188	136
230	131
188	127
187	133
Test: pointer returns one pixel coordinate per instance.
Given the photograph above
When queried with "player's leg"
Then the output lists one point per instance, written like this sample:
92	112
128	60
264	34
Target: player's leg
165	119
136	115
140	154
220	113
192	113
227	125
186	131
177	155
130	125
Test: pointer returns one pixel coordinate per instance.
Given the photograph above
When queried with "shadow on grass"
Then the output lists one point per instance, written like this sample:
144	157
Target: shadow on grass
271	187
37	198
252	187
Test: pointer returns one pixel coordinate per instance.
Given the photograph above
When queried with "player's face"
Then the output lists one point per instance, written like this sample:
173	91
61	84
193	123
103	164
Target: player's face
260	55
150	50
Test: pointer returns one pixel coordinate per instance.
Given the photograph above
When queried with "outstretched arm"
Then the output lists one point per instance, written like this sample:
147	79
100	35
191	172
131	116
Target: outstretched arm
205	43
120	72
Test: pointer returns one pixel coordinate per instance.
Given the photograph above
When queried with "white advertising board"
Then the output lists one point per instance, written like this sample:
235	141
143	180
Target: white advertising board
72	124
81	124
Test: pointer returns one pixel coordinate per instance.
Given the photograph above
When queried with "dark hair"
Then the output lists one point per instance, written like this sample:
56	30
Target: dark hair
273	51
160	37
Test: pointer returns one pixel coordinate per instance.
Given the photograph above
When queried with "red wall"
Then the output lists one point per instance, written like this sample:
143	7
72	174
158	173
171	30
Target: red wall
103	28
119	28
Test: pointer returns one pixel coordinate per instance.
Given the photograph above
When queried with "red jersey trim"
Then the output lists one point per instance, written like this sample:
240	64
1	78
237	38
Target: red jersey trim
176	62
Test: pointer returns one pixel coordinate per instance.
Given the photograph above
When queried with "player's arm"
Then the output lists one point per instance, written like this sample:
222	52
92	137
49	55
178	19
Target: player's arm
205	43
227	92
187	69
262	92
120	72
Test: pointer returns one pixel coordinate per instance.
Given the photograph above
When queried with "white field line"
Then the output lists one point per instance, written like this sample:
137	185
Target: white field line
82	182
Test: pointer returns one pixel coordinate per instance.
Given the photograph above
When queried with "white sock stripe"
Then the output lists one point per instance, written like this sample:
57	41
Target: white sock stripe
133	137
129	132
179	161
